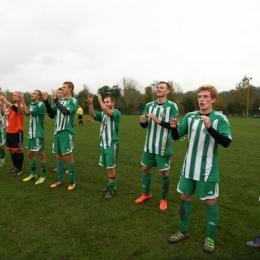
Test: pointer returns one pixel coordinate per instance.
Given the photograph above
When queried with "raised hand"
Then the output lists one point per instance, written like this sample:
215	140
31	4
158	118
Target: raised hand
174	121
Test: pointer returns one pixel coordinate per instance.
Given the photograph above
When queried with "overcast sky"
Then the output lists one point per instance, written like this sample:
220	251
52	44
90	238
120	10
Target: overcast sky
98	42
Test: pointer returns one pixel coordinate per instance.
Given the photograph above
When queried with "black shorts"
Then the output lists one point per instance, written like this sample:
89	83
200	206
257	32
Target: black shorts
14	140
79	117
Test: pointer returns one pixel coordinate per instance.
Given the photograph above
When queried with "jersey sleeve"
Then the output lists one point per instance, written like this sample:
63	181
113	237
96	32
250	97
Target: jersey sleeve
224	127
183	126
174	110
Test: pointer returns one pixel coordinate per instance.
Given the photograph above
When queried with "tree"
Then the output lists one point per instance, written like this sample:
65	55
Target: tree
131	95
189	101
82	97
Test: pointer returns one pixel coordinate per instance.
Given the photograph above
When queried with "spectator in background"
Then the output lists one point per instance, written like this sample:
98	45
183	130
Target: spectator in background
80	115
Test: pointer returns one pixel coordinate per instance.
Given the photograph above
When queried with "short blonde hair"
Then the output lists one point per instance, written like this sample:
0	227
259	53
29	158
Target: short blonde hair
213	91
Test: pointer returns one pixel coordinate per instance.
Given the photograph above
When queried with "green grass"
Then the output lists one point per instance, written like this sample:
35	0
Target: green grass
38	222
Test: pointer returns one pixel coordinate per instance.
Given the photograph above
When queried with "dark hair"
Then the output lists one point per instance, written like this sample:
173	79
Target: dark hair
164	82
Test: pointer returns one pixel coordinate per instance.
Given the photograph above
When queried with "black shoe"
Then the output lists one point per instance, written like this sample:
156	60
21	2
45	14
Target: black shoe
109	195
18	173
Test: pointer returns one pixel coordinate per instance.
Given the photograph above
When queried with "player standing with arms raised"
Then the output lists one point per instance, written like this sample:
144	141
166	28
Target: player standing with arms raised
14	132
206	129
110	119
35	141
158	144
63	111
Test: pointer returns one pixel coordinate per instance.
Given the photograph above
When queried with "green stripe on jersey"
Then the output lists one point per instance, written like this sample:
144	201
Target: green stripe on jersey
201	159
158	138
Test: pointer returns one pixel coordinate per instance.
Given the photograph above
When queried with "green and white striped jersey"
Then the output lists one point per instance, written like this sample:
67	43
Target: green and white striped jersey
158	138
2	121
201	159
65	122
109	127
36	129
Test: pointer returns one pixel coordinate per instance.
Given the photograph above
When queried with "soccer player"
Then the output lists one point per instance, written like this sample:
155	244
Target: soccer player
110	119
206	129
35	142
80	115
14	132
63	111
2	135
60	95
157	149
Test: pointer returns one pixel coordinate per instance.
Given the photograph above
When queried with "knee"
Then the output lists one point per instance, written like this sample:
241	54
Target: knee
186	197
146	169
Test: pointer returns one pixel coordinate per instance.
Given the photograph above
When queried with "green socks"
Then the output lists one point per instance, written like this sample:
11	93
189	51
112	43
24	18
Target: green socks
212	220
43	170
33	167
146	181
2	153
165	186
111	185
184	215
71	168
60	170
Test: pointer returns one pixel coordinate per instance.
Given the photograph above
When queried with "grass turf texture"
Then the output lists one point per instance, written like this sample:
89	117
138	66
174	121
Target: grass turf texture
38	222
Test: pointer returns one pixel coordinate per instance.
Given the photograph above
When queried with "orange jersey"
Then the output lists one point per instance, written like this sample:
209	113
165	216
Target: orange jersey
14	121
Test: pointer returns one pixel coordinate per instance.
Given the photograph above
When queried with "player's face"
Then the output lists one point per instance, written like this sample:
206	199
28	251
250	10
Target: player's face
15	97
66	90
35	96
108	103
205	101
60	94
162	90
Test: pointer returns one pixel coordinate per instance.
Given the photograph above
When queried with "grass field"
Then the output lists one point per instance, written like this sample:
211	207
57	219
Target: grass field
38	222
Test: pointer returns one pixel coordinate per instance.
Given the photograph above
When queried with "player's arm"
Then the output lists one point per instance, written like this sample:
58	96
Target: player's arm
23	107
62	108
220	138
2	108
174	126
90	106
51	113
6	102
104	108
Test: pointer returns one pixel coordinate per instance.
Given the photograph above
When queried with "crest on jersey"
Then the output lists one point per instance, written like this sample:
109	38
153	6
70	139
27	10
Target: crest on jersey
162	115
205	131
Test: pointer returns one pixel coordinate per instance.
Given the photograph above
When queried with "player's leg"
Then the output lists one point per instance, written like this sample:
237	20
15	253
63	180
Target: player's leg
2	148
186	187
42	157
148	161
163	163
10	145
209	191
59	160
19	152
111	156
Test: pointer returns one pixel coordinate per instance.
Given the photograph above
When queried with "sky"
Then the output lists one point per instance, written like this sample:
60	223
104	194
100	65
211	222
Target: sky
99	42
